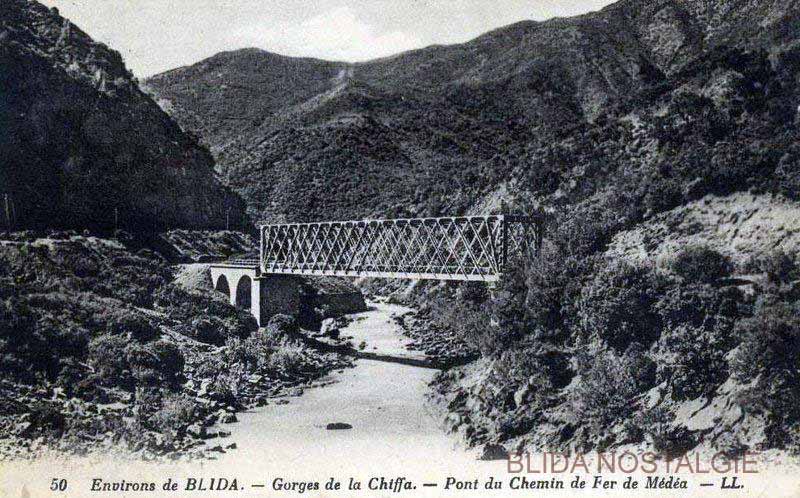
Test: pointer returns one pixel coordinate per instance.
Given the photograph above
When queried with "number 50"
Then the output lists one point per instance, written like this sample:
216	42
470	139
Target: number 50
58	484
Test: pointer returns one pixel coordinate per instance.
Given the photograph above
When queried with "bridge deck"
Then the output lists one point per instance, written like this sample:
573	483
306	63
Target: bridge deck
451	248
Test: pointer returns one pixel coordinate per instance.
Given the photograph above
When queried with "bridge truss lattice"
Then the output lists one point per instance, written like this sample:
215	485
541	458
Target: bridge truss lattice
474	248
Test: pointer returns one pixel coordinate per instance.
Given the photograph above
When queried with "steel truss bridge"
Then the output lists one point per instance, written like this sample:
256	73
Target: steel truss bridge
471	248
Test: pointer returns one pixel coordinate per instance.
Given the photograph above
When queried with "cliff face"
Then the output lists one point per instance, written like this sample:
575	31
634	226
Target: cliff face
83	146
451	129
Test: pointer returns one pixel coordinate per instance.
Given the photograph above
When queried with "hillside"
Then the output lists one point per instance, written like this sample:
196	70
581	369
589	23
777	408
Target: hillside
83	146
661	138
444	128
107	347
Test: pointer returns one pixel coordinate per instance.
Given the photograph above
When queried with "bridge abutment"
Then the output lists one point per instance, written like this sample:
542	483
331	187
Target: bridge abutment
263	295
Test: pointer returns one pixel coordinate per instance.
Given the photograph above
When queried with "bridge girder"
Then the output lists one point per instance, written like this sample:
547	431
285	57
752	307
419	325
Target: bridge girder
468	248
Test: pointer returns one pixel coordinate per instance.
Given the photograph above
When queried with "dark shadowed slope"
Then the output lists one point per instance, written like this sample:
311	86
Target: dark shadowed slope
448	129
83	146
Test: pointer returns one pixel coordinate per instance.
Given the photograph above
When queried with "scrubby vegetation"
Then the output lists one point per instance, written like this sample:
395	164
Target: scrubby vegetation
100	348
643	336
632	343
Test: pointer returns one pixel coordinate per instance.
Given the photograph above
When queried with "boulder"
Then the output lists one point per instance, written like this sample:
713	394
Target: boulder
338	426
198	431
329	328
493	451
204	387
23	429
226	417
524	393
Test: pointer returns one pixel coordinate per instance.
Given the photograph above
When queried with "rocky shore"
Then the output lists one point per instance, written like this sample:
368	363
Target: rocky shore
441	345
191	423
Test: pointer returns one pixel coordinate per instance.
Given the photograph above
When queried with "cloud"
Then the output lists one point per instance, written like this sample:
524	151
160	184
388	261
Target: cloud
336	35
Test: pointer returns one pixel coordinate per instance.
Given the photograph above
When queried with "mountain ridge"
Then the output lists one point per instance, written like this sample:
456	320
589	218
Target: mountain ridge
470	113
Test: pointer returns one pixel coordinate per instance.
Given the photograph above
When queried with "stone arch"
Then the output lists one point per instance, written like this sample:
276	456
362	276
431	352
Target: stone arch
244	292
223	286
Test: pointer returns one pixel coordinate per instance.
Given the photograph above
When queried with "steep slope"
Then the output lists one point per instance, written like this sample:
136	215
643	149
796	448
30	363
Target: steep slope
438	130
83	146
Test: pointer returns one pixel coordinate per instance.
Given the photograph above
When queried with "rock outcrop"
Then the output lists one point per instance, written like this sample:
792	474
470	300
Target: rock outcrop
83	146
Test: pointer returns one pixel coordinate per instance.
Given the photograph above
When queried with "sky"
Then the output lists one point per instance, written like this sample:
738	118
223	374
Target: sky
156	35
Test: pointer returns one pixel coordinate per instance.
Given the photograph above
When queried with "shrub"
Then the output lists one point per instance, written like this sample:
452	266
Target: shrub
154	364
547	365
220	319
617	305
134	326
282	325
210	330
247	352
118	362
473	293
169	359
524	383
176	413
693	359
552	286
700	264
779	266
668	439
787	174
23	351
286	359
108	355
770	343
228	384
469	323
700	305
46	419
606	389
767	356
640	366
698	321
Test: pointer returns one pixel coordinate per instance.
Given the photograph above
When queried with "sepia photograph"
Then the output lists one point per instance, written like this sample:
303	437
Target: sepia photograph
427	248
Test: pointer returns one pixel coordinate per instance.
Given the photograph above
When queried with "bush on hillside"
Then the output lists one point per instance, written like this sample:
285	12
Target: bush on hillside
23	351
692	360
700	305
274	350
46	420
767	356
204	317
779	266
657	425
135	327
470	323
552	286
108	356
787	175
617	305
117	362
770	343
175	413
608	386
700	264
524	383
